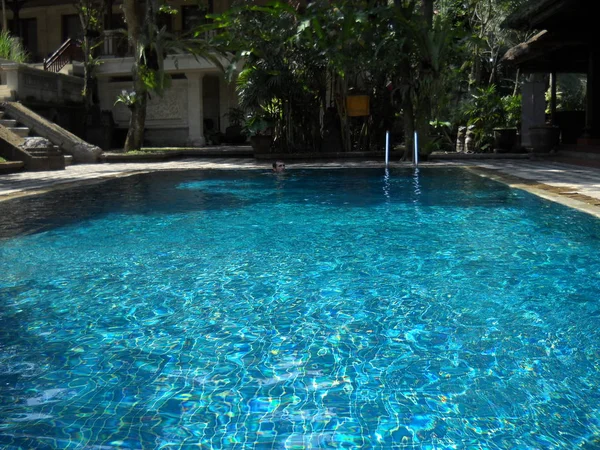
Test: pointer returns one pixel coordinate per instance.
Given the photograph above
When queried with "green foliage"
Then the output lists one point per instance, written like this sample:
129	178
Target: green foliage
511	105
90	14
12	49
258	126
300	62
167	9
306	62
570	92
279	80
440	139
155	80
484	112
236	116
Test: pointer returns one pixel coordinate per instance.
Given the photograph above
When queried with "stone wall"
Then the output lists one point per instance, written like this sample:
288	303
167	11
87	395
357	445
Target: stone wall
19	82
168	111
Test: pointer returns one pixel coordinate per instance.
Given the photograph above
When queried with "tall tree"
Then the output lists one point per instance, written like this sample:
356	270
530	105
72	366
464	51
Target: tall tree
151	44
90	15
137	26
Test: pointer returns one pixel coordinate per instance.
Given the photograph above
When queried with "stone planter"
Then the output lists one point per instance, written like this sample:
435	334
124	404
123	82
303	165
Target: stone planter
261	144
505	140
544	138
234	135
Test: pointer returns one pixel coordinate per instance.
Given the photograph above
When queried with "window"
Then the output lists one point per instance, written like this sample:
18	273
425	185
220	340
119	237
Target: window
71	27
28	32
193	16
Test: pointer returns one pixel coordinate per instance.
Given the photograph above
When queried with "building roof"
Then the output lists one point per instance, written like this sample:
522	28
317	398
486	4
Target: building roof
545	52
550	15
563	45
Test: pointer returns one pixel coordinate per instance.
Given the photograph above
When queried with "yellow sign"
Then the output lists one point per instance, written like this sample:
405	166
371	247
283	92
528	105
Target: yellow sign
357	105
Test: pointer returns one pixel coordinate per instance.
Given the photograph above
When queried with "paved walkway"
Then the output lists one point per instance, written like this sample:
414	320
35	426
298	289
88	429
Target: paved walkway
575	186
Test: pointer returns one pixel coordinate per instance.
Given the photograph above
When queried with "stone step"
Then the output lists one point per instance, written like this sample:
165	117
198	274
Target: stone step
44	154
20	131
46	163
41	152
9	123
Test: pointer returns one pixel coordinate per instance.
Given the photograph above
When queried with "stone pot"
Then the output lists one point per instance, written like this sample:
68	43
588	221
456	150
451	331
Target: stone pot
261	143
505	140
544	138
234	135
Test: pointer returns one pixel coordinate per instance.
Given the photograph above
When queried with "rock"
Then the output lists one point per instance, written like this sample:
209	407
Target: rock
35	142
85	153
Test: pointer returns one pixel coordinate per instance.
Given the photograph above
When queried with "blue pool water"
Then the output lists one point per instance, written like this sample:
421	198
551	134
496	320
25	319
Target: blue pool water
428	309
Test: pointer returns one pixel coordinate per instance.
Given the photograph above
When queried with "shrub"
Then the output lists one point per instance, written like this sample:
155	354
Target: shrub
12	49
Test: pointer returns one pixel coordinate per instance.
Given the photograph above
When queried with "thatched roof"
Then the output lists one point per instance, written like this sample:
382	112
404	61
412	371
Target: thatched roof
549	52
522	18
550	15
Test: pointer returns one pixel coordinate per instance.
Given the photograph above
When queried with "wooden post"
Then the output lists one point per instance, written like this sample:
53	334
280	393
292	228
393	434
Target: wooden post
553	98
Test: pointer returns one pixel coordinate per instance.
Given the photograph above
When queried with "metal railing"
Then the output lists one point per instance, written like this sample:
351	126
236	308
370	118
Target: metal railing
66	53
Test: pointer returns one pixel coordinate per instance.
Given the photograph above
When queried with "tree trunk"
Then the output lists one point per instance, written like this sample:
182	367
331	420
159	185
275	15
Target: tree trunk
516	88
137	123
87	83
427	11
340	99
4	21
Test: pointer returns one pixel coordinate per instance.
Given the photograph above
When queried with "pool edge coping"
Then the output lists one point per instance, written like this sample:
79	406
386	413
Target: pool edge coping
566	196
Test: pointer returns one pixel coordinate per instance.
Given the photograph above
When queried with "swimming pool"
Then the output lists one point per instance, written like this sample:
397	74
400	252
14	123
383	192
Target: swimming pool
428	309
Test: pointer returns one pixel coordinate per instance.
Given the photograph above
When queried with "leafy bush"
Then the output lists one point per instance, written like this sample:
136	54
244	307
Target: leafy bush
512	110
570	93
12	49
484	111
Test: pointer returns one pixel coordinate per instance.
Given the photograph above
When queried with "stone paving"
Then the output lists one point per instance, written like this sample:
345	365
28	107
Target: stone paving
574	186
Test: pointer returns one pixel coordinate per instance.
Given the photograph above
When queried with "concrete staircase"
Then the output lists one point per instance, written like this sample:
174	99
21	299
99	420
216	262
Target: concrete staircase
36	153
81	151
12	126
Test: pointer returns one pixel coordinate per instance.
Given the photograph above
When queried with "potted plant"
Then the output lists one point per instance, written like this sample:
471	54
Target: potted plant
260	130
506	137
234	132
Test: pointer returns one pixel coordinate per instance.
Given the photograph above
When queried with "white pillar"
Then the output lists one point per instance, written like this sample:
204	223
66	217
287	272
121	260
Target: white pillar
195	110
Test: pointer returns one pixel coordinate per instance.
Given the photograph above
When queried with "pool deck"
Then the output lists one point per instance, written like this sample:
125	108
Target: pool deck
573	185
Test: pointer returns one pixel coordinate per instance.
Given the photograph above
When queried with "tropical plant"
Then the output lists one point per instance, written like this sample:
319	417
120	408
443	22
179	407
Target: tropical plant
278	74
440	138
12	49
127	98
236	116
258	126
570	93
90	16
511	105
484	112
409	61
